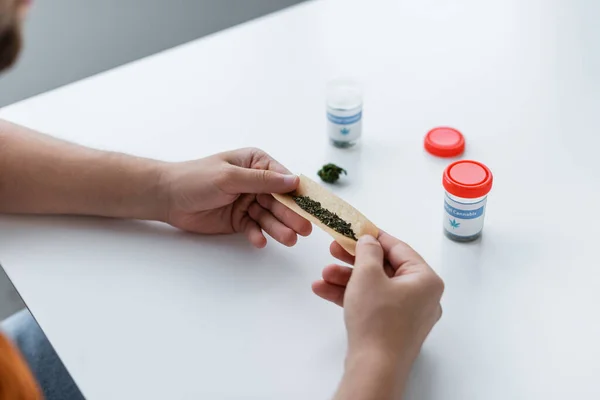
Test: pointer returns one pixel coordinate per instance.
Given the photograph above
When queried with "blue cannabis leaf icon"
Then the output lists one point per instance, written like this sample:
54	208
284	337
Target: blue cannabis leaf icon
453	223
344	131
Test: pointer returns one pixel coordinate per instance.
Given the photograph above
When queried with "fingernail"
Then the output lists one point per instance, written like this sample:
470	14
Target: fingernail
367	239
290	180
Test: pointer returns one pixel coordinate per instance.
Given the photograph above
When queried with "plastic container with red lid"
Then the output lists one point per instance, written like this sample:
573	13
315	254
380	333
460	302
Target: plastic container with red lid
467	185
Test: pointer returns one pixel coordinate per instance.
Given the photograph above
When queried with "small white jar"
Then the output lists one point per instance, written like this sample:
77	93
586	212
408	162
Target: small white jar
344	112
467	185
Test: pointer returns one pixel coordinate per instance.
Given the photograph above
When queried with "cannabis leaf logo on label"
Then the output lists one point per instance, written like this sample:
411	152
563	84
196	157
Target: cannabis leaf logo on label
344	131
453	223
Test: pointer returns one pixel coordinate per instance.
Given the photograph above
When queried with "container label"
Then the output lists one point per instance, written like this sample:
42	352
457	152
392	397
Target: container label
463	214
336	119
463	219
344	126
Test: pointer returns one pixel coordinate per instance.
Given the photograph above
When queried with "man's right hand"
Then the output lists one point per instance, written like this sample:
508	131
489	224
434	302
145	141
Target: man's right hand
391	302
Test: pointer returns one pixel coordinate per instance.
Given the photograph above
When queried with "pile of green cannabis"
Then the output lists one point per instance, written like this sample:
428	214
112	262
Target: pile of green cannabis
330	173
325	216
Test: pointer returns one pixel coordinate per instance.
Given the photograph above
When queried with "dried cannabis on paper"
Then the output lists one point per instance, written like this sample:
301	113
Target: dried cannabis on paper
325	216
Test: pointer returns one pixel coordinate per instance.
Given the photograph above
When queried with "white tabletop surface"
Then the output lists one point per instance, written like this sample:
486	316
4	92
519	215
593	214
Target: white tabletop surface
141	311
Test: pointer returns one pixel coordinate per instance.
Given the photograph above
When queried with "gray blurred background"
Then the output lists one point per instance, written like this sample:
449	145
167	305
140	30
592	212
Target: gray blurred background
67	40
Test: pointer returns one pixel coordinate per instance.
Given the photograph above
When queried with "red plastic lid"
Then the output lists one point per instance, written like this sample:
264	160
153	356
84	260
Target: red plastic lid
467	179
444	142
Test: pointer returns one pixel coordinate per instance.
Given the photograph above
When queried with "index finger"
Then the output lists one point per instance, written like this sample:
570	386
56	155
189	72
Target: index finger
256	159
397	252
340	253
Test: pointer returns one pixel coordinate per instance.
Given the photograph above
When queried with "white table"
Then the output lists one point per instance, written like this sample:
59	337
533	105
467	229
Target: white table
139	310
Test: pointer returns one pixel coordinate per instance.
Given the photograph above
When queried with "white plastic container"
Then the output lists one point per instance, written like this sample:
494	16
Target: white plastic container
467	185
344	112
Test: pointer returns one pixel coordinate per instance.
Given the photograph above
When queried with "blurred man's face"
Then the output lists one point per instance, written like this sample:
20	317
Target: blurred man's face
12	14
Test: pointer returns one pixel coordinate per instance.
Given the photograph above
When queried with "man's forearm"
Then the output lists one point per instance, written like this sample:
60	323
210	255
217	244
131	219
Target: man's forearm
43	175
371	376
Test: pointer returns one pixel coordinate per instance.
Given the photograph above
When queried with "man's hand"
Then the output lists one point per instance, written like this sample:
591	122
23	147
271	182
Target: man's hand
391	302
231	192
224	193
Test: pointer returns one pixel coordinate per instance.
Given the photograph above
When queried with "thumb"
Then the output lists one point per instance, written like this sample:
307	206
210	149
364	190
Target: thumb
369	256
247	180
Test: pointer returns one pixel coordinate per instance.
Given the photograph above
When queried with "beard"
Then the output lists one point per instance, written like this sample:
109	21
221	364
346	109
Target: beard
10	45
